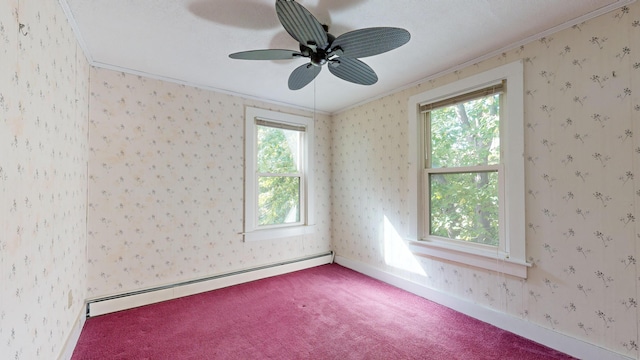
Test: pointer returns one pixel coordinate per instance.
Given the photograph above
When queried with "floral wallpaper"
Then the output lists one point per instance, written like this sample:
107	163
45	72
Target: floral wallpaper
582	154
166	174
162	198
43	179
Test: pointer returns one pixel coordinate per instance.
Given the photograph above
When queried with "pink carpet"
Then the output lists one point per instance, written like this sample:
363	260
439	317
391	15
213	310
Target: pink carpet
327	312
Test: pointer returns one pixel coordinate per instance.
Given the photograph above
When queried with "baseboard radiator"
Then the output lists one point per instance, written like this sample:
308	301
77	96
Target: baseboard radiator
109	304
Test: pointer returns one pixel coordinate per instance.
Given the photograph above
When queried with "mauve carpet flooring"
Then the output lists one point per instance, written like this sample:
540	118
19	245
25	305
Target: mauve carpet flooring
326	312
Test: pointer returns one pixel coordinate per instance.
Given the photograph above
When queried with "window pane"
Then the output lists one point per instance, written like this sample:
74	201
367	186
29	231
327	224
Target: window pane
464	206
466	134
278	150
278	200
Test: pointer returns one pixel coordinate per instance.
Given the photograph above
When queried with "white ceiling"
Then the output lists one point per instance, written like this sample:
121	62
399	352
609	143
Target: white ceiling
188	41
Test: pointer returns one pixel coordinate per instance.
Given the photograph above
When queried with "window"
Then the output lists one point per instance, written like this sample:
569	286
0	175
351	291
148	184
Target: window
462	164
278	175
469	183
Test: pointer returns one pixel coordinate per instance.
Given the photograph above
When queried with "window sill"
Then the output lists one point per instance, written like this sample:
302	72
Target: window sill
277	233
499	262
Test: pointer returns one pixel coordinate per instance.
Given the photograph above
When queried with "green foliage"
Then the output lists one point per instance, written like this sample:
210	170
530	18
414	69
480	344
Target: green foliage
278	176
277	150
464	205
466	134
278	200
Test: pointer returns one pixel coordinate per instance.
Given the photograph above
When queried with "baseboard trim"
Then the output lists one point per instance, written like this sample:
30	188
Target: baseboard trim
555	340
74	336
131	300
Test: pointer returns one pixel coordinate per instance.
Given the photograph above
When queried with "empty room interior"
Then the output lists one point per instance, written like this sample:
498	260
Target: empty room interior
480	155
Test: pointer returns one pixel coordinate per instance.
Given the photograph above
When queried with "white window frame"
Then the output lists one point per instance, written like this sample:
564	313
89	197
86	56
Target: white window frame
509	257
252	231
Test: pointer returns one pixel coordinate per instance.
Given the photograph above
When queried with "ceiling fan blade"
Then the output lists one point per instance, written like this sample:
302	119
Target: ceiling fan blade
353	70
370	41
302	76
300	24
267	54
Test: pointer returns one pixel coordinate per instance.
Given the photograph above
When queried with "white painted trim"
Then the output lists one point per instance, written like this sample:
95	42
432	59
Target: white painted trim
512	209
553	30
74	336
278	233
112	304
76	30
85	49
603	10
489	260
550	338
203	87
252	232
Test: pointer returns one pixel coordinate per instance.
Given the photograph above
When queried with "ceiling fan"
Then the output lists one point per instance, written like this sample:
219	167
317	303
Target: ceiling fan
339	53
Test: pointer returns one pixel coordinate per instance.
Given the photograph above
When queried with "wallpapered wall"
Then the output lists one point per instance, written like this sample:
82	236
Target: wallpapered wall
582	111
166	172
43	179
165	183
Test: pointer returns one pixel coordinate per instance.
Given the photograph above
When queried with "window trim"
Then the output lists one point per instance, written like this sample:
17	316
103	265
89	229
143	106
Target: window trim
299	174
253	232
426	229
512	259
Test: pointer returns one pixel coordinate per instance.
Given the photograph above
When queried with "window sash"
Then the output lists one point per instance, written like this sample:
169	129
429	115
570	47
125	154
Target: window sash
300	201
305	126
300	174
280	125
512	259
497	88
299	159
478	94
463	169
425	110
432	215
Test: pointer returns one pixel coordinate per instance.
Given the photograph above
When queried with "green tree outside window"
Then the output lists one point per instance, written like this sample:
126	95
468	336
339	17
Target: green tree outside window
279	177
463	202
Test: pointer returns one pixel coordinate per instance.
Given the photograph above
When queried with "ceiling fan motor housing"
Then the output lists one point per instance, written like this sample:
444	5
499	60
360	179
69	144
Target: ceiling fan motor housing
319	57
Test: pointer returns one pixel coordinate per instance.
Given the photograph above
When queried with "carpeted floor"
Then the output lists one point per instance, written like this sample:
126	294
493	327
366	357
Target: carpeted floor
327	312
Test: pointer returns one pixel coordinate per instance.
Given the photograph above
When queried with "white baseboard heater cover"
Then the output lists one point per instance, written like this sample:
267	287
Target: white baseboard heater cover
138	298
